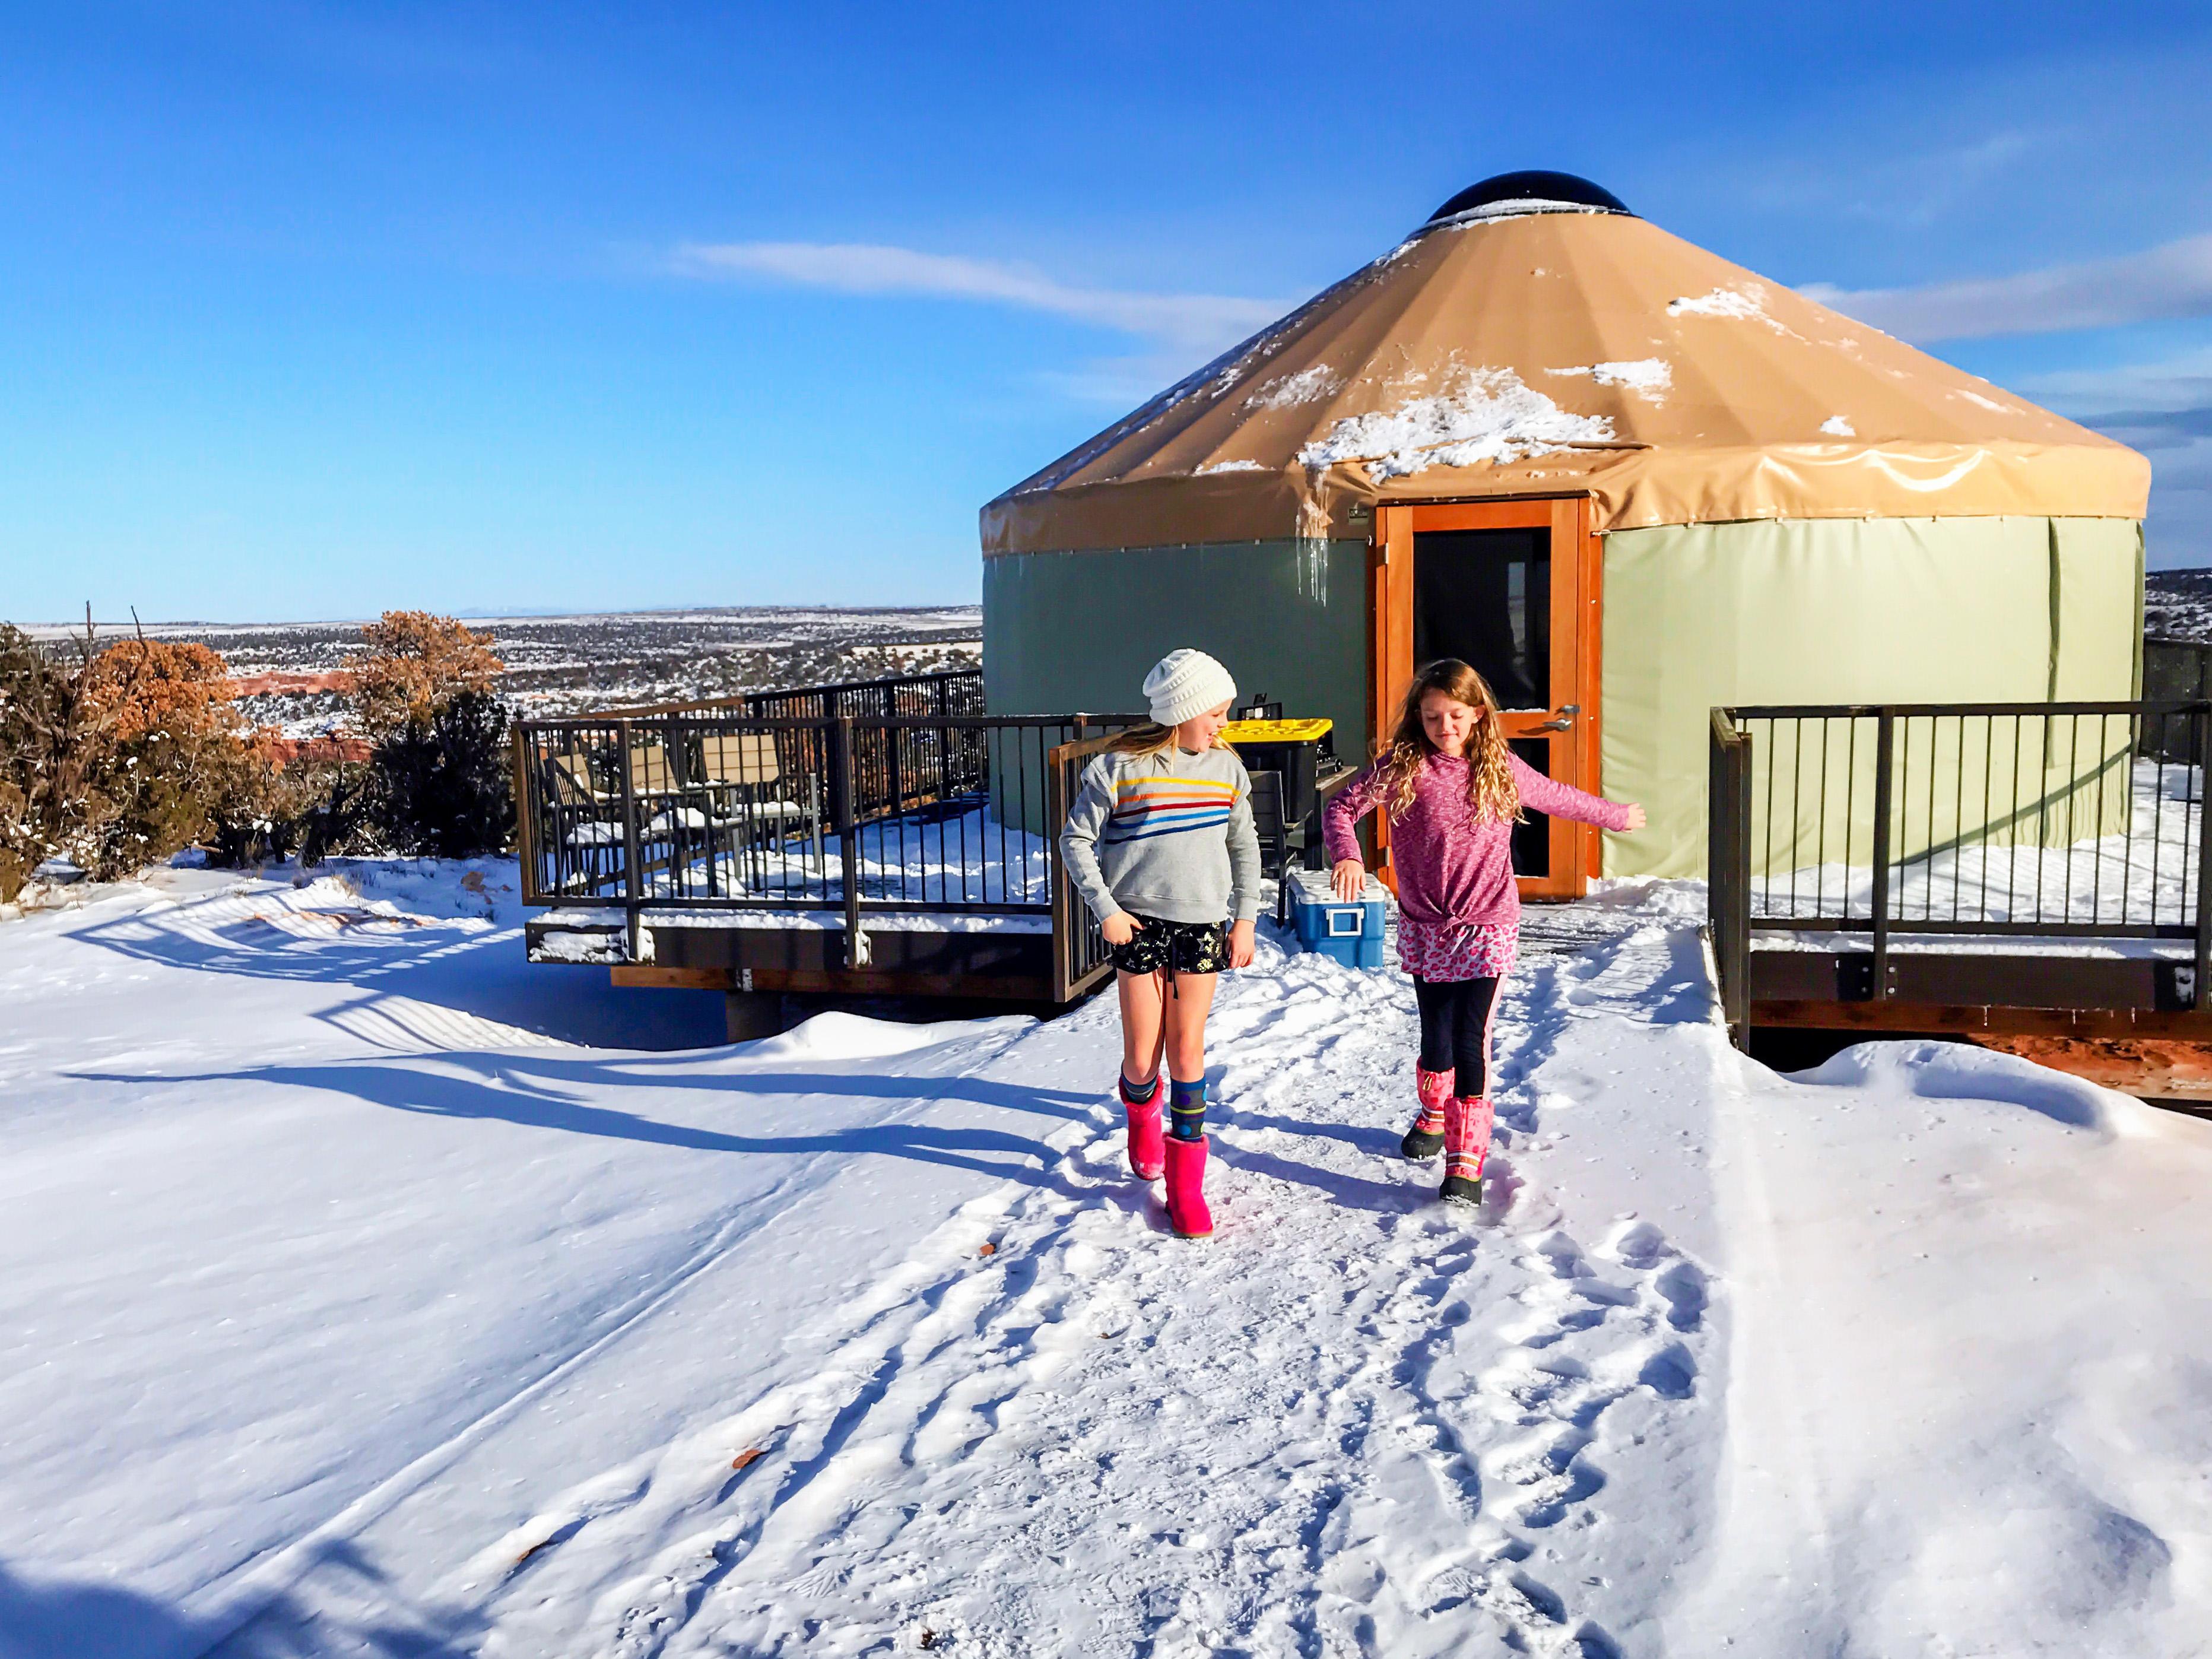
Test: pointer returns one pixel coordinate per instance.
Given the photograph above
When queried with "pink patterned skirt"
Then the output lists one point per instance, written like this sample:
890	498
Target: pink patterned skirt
1448	951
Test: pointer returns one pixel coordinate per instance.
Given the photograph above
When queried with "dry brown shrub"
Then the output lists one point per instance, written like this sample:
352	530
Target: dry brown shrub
412	664
162	685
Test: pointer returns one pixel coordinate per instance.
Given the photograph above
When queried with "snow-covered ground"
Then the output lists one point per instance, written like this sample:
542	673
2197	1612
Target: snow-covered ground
361	1292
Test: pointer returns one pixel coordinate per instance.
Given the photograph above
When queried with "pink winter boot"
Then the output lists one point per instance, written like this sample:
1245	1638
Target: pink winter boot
1146	1133
1426	1138
1466	1144
1187	1210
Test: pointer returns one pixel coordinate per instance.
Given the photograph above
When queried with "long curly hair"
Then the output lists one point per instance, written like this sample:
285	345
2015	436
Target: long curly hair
1490	789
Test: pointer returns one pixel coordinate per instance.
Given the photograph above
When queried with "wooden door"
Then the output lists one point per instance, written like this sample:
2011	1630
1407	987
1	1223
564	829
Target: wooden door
1512	587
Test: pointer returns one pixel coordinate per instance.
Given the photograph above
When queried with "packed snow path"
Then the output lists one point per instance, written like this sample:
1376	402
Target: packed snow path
346	1307
1354	1422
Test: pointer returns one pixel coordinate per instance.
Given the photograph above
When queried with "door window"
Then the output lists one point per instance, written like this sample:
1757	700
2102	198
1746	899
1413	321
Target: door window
1532	840
1484	596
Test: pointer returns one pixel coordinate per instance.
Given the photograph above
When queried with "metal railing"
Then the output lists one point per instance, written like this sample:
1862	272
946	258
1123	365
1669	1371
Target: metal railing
949	691
2175	671
2073	821
731	807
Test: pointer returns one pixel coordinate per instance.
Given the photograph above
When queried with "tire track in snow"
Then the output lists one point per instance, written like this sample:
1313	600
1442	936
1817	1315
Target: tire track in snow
1353	1423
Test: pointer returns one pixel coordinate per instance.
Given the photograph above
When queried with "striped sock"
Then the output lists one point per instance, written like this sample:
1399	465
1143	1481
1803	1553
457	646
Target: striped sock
1187	1109
1140	1094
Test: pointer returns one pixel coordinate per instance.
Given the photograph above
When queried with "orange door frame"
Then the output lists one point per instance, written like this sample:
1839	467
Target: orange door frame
1577	612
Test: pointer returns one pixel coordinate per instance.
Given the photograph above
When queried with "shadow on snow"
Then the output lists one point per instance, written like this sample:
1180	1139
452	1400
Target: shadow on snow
407	973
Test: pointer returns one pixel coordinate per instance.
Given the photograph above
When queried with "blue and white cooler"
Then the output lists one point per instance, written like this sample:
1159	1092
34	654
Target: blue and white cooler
1349	930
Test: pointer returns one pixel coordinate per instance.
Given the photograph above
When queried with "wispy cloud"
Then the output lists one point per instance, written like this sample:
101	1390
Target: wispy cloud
2155	406
1923	190
1191	326
2180	382
2173	280
2163	408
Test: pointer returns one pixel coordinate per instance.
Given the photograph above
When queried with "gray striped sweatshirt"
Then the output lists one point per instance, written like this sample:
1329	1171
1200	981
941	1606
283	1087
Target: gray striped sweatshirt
1167	835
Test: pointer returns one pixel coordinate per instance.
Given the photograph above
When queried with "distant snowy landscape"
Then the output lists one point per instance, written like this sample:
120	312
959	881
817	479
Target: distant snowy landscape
2177	604
576	665
368	1289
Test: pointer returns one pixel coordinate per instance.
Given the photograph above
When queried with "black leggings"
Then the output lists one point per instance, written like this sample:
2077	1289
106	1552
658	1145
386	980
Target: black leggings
1456	1029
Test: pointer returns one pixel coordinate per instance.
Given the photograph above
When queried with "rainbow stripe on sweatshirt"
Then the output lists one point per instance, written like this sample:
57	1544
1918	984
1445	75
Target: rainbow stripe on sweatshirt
1149	806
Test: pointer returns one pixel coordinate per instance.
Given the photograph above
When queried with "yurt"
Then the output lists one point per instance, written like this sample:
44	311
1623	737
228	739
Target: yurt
1627	479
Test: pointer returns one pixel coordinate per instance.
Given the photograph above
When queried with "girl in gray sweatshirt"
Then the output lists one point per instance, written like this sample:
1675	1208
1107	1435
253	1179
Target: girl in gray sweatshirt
1160	844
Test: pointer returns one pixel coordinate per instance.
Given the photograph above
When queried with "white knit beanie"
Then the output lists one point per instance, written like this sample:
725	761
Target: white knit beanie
1184	685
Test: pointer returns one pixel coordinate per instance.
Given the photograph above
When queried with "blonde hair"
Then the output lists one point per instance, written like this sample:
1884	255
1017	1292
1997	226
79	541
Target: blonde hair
1149	738
1490	788
1146	737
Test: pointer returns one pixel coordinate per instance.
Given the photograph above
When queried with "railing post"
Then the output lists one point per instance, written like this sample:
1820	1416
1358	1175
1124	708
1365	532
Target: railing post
2202	721
633	892
848	837
678	783
1728	871
1064	972
1739	942
525	807
1884	742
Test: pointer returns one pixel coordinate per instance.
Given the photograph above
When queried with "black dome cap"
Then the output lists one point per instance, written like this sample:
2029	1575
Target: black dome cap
1533	184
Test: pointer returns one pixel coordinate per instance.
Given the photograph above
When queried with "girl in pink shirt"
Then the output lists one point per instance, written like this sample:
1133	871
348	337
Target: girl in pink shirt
1454	791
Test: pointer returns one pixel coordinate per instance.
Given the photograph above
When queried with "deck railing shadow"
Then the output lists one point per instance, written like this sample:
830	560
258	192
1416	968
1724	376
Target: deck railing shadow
81	1615
572	1095
418	987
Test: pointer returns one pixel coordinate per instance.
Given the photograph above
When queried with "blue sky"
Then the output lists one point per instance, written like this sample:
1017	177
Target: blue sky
307	311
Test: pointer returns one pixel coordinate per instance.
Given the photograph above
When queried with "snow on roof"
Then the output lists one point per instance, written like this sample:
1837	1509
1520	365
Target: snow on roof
1492	416
1307	386
1514	208
1652	376
1747	303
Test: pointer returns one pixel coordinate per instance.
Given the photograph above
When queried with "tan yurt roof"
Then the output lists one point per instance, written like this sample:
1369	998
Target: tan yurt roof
1528	347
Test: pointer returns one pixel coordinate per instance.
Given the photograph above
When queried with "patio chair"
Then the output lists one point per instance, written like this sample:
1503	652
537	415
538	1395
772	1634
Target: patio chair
586	820
1258	707
743	769
570	774
1275	835
651	775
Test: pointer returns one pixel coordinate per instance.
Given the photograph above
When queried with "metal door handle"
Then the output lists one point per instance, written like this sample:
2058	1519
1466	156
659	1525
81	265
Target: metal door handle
1566	722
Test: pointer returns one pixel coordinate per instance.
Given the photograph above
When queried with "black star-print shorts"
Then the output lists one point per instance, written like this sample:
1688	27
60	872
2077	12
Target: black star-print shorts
1180	947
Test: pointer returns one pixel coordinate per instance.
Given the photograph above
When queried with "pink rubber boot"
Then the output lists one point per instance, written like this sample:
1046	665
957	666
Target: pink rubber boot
1147	1133
1187	1210
1467	1144
1426	1138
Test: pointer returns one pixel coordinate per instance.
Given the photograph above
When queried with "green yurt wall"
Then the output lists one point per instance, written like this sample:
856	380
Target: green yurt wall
2002	609
1064	632
1853	611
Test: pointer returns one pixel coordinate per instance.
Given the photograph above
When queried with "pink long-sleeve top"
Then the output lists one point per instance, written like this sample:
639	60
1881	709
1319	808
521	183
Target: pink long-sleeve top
1453	867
